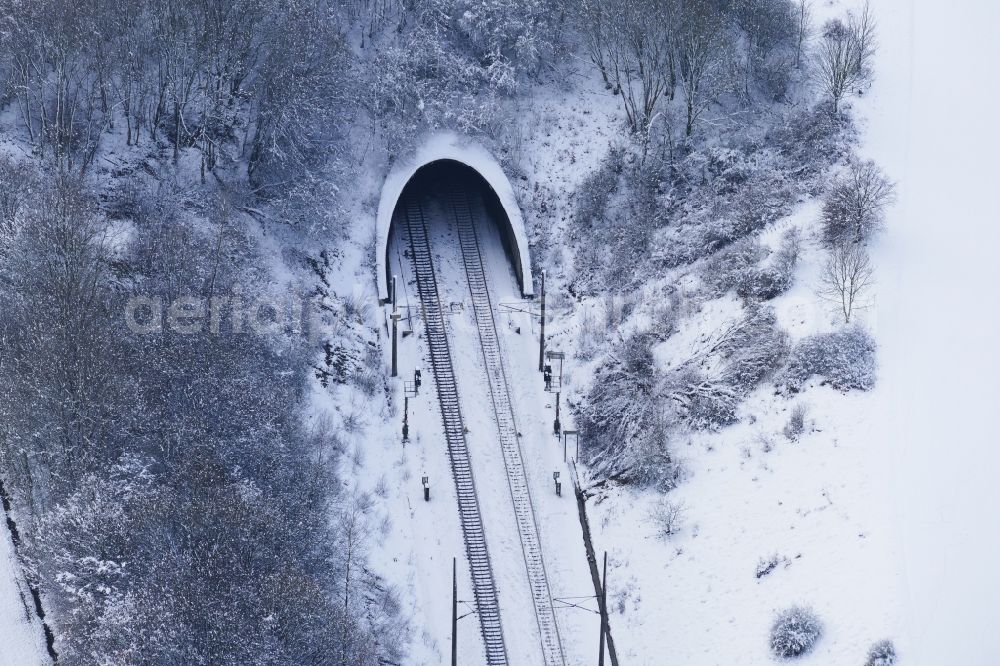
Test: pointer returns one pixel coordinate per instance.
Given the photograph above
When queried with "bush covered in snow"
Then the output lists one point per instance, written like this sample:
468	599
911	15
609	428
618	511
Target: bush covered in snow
690	200
882	653
625	423
795	632
751	271
668	517
633	408
753	347
734	268
766	565
595	191
707	219
616	212
810	132
520	34
707	390
845	359
796	422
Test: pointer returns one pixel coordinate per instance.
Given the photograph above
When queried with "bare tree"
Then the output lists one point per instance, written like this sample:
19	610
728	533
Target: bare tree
864	30
846	52
855	207
596	32
838	56
847	273
761	62
631	46
803	16
700	52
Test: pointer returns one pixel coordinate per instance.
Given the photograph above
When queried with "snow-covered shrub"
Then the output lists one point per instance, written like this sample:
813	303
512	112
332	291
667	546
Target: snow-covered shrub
590	335
617	210
795	632
764	442
789	248
707	404
753	348
625	420
650	460
706	390
617	308
806	134
765	198
357	307
881	653
591	198
667	313
369	376
710	195
777	276
631	365
746	267
766	565
771	281
735	267
667	516
845	359
522	34
796	422
727	204
421	81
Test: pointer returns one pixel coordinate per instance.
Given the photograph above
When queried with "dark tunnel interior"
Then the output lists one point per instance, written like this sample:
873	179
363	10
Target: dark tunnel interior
435	180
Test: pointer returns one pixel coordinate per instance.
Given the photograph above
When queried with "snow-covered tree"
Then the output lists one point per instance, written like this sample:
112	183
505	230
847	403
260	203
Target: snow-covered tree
854	208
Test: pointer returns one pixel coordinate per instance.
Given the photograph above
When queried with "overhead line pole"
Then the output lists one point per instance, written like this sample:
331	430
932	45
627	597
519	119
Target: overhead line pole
454	613
395	323
604	608
541	338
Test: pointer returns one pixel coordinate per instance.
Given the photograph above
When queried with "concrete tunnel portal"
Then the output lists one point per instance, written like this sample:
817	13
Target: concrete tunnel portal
447	156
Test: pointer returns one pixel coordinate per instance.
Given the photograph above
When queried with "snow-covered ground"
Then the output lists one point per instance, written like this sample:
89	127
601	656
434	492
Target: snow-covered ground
880	514
931	123
817	504
885	510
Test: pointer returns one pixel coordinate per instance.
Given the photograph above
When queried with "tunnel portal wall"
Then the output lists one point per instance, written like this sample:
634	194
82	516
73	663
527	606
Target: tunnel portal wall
448	147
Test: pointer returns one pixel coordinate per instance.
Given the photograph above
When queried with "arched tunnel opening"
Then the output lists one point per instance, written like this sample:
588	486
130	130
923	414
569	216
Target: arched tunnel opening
433	186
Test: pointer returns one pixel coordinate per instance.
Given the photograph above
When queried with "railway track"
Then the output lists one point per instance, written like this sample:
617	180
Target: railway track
493	358
483	583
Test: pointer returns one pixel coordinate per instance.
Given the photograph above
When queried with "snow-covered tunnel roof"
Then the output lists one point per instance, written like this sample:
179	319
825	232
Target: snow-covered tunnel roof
448	146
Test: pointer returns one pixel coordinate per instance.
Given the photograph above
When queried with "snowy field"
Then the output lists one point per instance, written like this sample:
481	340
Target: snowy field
930	122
